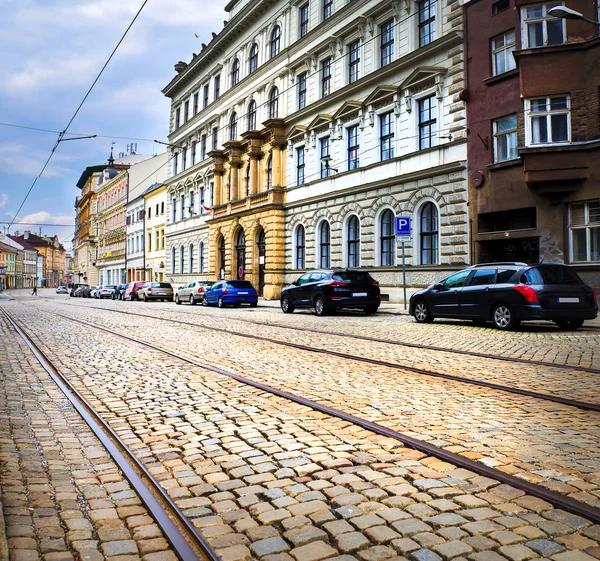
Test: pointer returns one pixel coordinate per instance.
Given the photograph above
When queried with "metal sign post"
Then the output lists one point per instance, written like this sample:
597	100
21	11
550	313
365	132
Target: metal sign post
403	234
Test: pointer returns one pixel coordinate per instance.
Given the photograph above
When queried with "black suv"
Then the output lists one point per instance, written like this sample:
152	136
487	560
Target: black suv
508	293
329	290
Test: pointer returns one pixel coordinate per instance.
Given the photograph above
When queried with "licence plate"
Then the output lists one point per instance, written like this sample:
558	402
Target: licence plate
359	294
567	300
242	293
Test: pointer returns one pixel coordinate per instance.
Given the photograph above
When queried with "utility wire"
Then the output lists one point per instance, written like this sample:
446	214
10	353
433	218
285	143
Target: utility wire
62	134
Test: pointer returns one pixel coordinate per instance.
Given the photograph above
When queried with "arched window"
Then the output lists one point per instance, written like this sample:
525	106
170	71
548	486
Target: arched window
191	258
233	126
181	259
275	41
300	247
173	260
353	241
429	234
324	245
248	179
253	60
240	247
273	103
252	115
387	239
201	257
222	258
270	172
235	72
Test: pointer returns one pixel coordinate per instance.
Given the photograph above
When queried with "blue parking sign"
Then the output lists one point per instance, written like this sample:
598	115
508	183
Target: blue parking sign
403	226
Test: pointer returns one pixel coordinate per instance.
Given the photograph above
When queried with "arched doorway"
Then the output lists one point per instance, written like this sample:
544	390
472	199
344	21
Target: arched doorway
262	259
221	269
240	248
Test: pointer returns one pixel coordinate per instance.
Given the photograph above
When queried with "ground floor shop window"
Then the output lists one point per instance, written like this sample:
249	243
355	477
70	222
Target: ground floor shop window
584	231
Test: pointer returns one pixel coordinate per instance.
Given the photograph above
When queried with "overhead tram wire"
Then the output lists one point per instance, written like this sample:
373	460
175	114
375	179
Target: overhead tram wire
61	135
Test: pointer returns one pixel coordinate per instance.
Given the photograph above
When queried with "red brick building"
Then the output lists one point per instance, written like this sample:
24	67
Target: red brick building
533	118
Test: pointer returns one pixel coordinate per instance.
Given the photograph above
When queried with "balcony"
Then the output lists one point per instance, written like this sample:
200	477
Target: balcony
251	203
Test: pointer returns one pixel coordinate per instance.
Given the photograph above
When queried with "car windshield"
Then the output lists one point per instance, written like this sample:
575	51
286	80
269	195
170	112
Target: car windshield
550	274
161	285
352	276
111	286
240	284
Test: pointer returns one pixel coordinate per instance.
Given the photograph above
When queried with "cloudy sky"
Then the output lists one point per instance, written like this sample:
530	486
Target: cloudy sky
51	52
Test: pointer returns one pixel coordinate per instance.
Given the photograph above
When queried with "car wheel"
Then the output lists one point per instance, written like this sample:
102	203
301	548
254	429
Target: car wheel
220	303
569	323
421	312
286	307
254	304
205	302
177	300
192	300
320	308
371	309
503	317
145	298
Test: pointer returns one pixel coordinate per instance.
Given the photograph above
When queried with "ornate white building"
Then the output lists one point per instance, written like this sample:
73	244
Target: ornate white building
306	127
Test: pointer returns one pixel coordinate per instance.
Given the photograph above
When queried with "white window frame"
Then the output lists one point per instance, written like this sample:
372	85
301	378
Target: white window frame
345	252
544	19
416	257
497	135
415	142
587	226
318	243
295	247
507	50
548	113
378	232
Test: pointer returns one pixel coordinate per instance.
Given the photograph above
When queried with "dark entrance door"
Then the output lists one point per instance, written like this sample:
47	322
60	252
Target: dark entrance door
262	258
222	258
241	255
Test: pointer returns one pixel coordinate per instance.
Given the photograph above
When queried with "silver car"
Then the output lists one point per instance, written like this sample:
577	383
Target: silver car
192	292
156	291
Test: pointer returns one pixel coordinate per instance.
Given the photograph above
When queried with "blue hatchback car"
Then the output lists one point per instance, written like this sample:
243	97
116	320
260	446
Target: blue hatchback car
231	292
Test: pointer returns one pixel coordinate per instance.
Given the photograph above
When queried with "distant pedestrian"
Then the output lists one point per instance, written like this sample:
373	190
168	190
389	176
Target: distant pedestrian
34	291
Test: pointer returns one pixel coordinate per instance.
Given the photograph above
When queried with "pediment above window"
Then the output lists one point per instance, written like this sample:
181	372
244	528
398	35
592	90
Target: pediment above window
349	110
423	78
296	133
320	121
381	95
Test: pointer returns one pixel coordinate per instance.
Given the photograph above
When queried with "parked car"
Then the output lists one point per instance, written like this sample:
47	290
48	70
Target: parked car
62	290
132	290
87	292
77	290
508	293
105	291
231	292
156	291
329	290
119	292
192	292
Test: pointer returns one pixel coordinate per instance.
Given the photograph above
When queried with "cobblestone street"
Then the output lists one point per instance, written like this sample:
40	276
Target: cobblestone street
263	477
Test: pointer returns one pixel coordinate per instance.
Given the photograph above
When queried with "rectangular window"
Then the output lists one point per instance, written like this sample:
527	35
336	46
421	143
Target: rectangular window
202	211
149	212
500	6
353	147
427	122
157	241
326	77
205	97
203	147
217	86
186	111
325	158
215	136
584	227
302	90
156	211
505	139
387	43
193	152
502	53
192	202
386	135
173	210
548	120
175	158
177	117
541	29
300	165
353	61
426	22
184	159
182	207
303	20
195	108
327	9
162	208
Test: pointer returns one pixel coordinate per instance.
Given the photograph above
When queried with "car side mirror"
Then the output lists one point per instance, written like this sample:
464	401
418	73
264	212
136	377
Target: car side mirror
438	287
296	283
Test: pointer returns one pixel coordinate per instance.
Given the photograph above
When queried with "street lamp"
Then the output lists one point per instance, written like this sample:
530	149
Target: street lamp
326	161
567	13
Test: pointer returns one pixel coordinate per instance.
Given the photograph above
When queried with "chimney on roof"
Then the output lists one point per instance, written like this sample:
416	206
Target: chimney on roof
26	234
180	67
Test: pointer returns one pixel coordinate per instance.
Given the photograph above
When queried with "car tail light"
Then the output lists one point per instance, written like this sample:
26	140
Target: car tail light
594	297
374	282
149	290
527	292
335	297
337	283
254	291
200	289
225	291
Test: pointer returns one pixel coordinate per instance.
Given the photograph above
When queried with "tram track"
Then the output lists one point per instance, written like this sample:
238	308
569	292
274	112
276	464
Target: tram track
183	537
557	499
394	365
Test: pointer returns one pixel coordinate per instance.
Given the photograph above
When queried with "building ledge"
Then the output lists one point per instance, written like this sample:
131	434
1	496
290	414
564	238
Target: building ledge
257	201
501	77
506	164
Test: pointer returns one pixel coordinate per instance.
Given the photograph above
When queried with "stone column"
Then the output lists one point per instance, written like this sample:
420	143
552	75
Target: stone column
253	174
235	182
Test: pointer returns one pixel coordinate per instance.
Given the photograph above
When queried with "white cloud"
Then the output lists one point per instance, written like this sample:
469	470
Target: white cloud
18	159
3	200
44	217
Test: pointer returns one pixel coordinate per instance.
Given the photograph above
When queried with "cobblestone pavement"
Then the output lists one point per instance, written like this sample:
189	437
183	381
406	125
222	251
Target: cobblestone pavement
267	478
564	383
546	443
63	497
